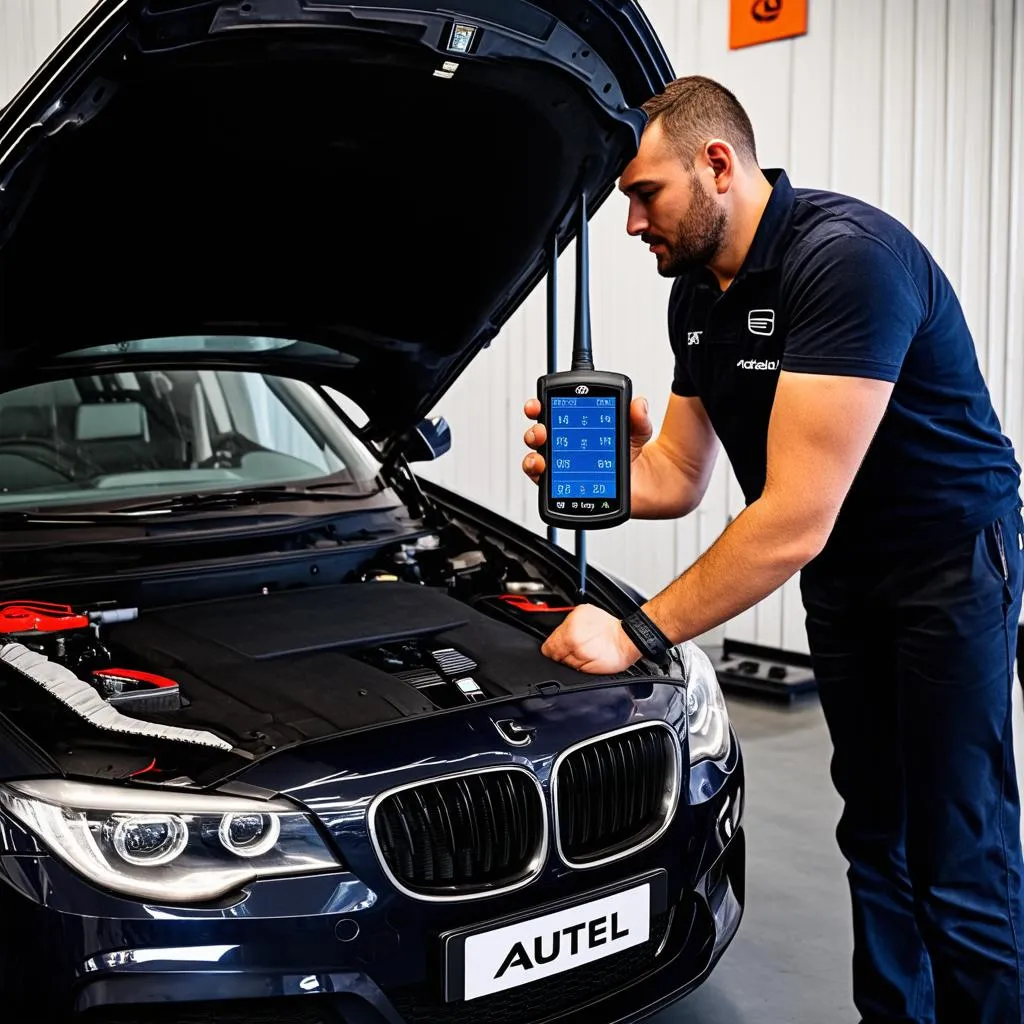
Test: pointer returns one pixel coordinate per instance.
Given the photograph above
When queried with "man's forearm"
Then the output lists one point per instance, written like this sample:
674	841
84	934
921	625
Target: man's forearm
762	548
660	490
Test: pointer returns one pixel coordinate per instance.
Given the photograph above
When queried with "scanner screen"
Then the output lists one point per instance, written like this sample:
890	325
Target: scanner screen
583	450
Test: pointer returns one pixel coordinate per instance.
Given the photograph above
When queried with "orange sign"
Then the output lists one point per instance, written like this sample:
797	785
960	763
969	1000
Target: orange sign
764	21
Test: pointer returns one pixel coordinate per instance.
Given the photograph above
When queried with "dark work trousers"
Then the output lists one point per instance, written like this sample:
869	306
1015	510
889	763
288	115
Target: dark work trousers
914	658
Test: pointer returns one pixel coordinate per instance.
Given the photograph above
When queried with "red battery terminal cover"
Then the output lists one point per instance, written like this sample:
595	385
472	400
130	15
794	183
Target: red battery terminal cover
39	617
137	691
131	677
523	603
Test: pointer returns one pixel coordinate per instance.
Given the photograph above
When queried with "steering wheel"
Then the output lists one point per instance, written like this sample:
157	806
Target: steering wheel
228	450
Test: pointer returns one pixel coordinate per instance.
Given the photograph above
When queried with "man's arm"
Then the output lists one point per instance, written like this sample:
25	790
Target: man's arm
854	310
820	430
671	473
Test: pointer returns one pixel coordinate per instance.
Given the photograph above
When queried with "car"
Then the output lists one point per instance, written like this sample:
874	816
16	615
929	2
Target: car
278	740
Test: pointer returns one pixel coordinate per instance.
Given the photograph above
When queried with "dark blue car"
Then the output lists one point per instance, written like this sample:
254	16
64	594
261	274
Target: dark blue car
277	741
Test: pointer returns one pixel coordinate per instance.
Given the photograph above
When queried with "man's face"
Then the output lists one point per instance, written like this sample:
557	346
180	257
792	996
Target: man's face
669	207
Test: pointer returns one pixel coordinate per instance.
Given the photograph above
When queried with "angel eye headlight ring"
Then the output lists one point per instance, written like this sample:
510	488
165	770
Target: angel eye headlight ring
147	840
249	835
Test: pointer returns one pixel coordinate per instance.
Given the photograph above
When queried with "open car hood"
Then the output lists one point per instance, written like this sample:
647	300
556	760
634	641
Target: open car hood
331	173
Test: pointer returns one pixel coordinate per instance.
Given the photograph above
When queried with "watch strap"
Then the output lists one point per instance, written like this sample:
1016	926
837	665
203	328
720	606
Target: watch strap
649	639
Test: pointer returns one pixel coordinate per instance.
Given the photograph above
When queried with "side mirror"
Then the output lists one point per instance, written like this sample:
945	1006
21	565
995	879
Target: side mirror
428	440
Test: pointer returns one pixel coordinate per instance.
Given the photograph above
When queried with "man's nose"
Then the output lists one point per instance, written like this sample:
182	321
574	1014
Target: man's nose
636	219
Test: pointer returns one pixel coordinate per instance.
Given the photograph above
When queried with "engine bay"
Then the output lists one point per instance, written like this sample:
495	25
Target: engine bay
184	690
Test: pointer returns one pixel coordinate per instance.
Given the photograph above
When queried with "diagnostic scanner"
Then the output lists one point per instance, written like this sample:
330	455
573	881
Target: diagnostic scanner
586	480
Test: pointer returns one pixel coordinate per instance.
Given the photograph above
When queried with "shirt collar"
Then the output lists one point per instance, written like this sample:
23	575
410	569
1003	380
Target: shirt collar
768	245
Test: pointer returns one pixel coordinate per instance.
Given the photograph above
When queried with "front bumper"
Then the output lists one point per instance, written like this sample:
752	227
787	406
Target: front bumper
247	980
347	946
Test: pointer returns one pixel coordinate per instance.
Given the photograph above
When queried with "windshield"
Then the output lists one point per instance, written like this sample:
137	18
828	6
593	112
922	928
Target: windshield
99	438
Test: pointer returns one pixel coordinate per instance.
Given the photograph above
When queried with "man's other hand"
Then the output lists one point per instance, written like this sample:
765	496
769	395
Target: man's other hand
640	432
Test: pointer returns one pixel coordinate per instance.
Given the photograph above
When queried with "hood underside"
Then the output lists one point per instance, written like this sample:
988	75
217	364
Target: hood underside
298	170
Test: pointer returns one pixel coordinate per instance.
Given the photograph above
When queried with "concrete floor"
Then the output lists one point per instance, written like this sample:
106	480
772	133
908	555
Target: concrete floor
790	961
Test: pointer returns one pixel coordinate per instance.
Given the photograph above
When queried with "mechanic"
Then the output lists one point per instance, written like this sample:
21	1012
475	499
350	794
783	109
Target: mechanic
818	342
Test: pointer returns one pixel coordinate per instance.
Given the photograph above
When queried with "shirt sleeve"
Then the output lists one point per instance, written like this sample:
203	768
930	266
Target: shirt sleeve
682	379
853	310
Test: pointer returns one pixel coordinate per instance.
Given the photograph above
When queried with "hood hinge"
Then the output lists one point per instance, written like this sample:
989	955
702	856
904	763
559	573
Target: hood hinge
407	486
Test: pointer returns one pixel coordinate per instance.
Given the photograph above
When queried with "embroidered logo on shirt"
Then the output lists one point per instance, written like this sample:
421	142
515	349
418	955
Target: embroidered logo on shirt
758	364
693	337
761	321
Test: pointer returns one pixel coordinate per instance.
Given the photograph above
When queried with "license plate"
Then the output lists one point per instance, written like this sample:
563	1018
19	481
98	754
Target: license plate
550	944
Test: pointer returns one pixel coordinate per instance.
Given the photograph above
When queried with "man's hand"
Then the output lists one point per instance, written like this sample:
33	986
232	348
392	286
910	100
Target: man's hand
591	640
640	432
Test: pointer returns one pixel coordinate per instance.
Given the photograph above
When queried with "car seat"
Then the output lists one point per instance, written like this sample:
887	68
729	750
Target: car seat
114	434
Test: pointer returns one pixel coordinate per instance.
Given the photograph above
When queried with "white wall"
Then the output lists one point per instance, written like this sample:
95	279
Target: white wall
915	105
29	30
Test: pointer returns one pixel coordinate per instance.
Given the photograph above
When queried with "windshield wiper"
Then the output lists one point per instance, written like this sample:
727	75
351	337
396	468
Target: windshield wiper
233	499
181	503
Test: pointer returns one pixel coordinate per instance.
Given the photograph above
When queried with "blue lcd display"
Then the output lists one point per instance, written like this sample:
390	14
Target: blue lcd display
583	448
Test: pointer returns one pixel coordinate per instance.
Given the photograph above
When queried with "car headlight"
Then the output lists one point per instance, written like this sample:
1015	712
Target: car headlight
174	847
706	713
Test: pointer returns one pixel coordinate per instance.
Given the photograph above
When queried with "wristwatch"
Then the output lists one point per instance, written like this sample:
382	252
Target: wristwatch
650	640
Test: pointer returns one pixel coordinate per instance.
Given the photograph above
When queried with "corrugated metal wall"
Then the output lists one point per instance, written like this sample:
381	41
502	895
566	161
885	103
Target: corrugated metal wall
915	105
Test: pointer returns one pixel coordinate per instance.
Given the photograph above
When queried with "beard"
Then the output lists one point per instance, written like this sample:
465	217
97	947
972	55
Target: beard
698	237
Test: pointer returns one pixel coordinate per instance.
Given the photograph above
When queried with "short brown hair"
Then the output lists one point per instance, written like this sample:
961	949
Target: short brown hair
695	109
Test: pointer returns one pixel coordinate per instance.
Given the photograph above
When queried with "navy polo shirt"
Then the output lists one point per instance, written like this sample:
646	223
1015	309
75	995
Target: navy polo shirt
833	285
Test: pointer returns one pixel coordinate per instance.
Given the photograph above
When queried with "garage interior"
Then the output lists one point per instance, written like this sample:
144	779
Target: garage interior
914	105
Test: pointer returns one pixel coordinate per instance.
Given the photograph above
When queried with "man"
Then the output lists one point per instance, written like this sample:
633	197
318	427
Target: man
819	343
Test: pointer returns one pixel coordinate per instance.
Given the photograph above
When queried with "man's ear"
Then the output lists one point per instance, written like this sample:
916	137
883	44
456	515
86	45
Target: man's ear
721	160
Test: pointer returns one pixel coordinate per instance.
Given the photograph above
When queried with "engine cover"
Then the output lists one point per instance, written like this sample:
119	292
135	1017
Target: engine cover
279	668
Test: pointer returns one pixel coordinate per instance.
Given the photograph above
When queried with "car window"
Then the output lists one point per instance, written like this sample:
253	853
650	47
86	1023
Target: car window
106	436
221	344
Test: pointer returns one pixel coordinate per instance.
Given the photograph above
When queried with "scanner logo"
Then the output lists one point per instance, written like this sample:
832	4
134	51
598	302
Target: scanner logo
582	389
